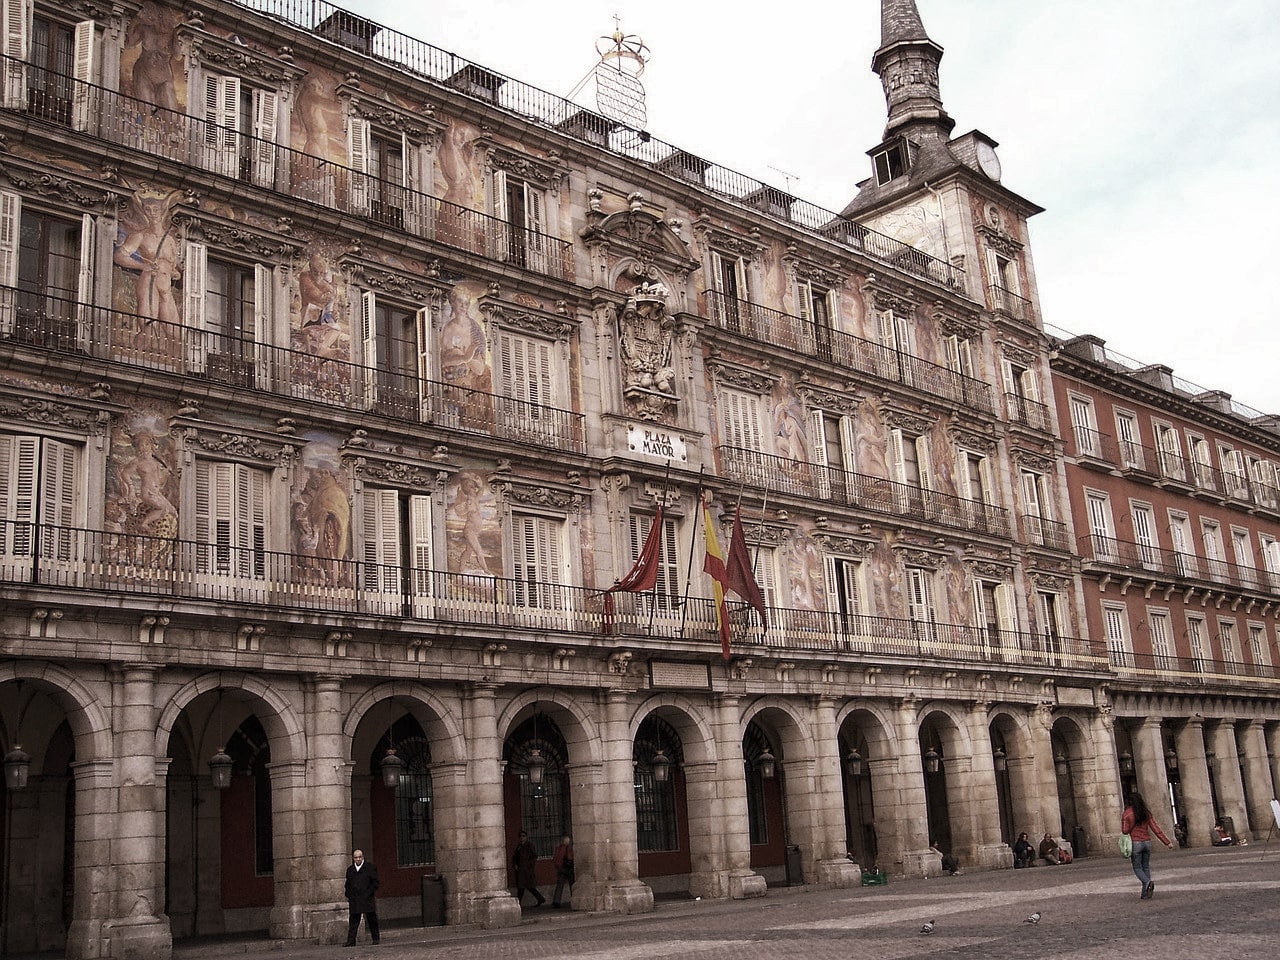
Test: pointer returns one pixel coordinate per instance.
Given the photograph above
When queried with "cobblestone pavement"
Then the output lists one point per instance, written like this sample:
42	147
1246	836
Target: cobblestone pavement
1219	903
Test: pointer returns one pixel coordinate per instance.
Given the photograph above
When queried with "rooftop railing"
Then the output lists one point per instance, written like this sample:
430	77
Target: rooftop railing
51	323
861	492
844	349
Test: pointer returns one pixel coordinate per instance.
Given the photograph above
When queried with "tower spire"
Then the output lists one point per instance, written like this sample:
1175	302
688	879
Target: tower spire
907	64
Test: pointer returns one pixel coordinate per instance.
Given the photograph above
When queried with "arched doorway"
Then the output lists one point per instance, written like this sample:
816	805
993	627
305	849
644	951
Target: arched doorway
662	812
934	733
859	799
1002	744
536	794
766	815
402	808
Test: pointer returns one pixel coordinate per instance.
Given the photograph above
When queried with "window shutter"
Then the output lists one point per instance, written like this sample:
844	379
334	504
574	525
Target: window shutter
1005	611
414	209
422	558
425	359
17	33
988	481
10	224
1031	494
502	235
924	464
897	454
84	281
17	494
818	438
84	72
369	342
669	570
58	500
804	301
919	601
195	312
381	540
1009	376
358	149
966	358
264	288
265	109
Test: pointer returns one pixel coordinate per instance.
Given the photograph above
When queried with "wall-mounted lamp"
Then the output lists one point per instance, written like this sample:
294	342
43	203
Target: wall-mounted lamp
1171	758
767	763
17	765
932	761
220	762
1126	763
1000	759
854	764
391	765
1061	766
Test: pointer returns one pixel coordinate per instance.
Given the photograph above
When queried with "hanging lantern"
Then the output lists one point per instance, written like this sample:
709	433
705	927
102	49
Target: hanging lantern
537	767
1171	758
220	769
932	761
1000	759
391	766
661	766
1126	763
1060	765
767	764
853	763
17	765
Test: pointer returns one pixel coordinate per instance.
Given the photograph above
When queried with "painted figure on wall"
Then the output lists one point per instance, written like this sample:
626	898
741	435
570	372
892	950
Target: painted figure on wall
872	444
320	331
147	248
464	358
318	115
886	582
808	584
151	61
790	440
959	601
321	515
472	524
316	292
141	490
458	169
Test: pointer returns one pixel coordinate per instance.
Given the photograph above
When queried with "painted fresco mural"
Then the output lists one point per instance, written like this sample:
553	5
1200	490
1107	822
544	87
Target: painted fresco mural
151	66
473	526
140	513
320	330
320	514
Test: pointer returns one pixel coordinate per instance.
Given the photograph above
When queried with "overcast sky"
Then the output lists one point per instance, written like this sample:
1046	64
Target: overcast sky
1147	129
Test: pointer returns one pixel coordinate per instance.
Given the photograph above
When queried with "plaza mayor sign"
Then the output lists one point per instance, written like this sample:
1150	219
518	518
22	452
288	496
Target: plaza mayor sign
657	443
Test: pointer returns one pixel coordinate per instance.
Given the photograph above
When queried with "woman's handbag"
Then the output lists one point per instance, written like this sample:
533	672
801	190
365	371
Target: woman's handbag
1126	845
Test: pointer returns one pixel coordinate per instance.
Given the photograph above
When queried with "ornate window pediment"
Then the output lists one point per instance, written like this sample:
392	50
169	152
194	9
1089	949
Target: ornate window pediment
546	174
1000	242
230	57
532	492
87	194
233	235
397	472
243	445
821	398
418	124
517	316
740	377
719	238
898	419
411	287
643	234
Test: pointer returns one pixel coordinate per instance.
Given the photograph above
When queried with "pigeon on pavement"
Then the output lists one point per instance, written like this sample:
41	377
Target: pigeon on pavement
927	928
1034	918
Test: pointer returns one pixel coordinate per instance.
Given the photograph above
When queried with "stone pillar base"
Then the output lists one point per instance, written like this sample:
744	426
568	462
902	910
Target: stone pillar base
841	872
994	856
921	863
320	922
125	938
745	886
493	910
627	898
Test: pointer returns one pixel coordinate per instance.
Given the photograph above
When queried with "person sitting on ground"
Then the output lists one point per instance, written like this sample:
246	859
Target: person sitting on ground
1049	850
950	864
1024	854
1221	836
1180	832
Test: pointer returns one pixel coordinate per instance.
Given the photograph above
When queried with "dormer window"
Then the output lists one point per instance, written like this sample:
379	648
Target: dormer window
891	162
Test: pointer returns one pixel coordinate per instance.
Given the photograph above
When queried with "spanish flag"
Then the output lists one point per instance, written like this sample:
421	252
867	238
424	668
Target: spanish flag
713	564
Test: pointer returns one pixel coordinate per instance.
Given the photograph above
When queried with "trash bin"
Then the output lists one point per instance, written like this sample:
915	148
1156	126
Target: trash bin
1077	843
433	901
795	866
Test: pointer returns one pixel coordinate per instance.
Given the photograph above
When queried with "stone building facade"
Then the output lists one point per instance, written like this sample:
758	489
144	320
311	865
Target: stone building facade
341	377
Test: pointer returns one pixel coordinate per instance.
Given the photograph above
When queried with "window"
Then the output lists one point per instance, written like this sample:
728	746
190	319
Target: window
1116	624
398	556
911	469
1085	428
891	162
391	356
1104	544
415	819
1196	632
1201	462
1242	550
227	309
993	616
1258	644
1234	476
39	502
1169	449
666	593
833	442
1049	622
1161	639
231	520
974	483
1215	558
1263	474
1005	293
740	427
1184	555
894	330
528	383
520	205
817	316
1022	395
239	129
1144	534
920	609
387	176
1230	648
657	825
845	593
1131	456
728	293
538	562
1036	503
47	260
1270	557
48	65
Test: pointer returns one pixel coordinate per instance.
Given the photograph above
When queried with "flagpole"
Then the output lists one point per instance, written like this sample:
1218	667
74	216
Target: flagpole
755	559
693	536
662	505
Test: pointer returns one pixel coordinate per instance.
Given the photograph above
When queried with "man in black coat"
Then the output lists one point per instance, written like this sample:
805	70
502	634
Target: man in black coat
362	890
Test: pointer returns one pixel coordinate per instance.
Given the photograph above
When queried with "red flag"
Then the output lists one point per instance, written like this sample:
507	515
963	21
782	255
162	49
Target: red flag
642	576
713	565
741	579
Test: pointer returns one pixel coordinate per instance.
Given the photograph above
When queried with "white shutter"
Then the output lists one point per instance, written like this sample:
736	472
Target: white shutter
923	463
818	438
10	224
897	452
919	598
84	73
534	239
195	311
804	302
17	32
1005	611
502	216
422	559
369	342
1031	494
18	456
414	209
265	109
988	481
58	501
358	149
85	298
382	546
264	289
426	366
222	124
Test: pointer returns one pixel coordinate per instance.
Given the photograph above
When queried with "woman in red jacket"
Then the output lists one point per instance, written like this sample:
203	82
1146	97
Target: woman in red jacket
1139	824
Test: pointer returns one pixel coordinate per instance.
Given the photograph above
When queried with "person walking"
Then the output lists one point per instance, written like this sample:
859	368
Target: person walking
1139	824
563	859
523	858
362	897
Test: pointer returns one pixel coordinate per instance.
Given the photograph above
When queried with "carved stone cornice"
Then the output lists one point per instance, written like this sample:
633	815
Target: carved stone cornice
62	186
207	438
643	234
534	493
822	398
418	124
545	173
1032	461
999	241
986	569
725	375
812	272
1049	581
415	288
845	546
748	248
906	420
951	325
229	235
916	556
971	440
515	316
234	58
79	416
396	473
1018	353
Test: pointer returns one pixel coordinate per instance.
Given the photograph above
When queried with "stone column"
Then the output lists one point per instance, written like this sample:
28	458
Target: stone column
1044	803
1096	780
1257	775
1226	775
126	821
826	858
733	876
290	864
971	798
1153	779
615	850
907	815
482	893
94	905
312	906
1193	774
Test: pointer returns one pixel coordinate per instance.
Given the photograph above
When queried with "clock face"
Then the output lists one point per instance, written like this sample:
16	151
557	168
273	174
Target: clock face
988	162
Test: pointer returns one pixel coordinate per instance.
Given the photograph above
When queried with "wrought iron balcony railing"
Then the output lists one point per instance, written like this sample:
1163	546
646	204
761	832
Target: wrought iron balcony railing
157	132
1027	412
54	324
1108	553
1167	666
1009	303
863	356
1045	533
871	494
120	564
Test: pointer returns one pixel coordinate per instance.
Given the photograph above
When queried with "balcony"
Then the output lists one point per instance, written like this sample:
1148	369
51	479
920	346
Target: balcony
889	498
1093	449
1197	670
778	329
161	134
1007	303
1150	562
1051	534
1027	413
62	326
